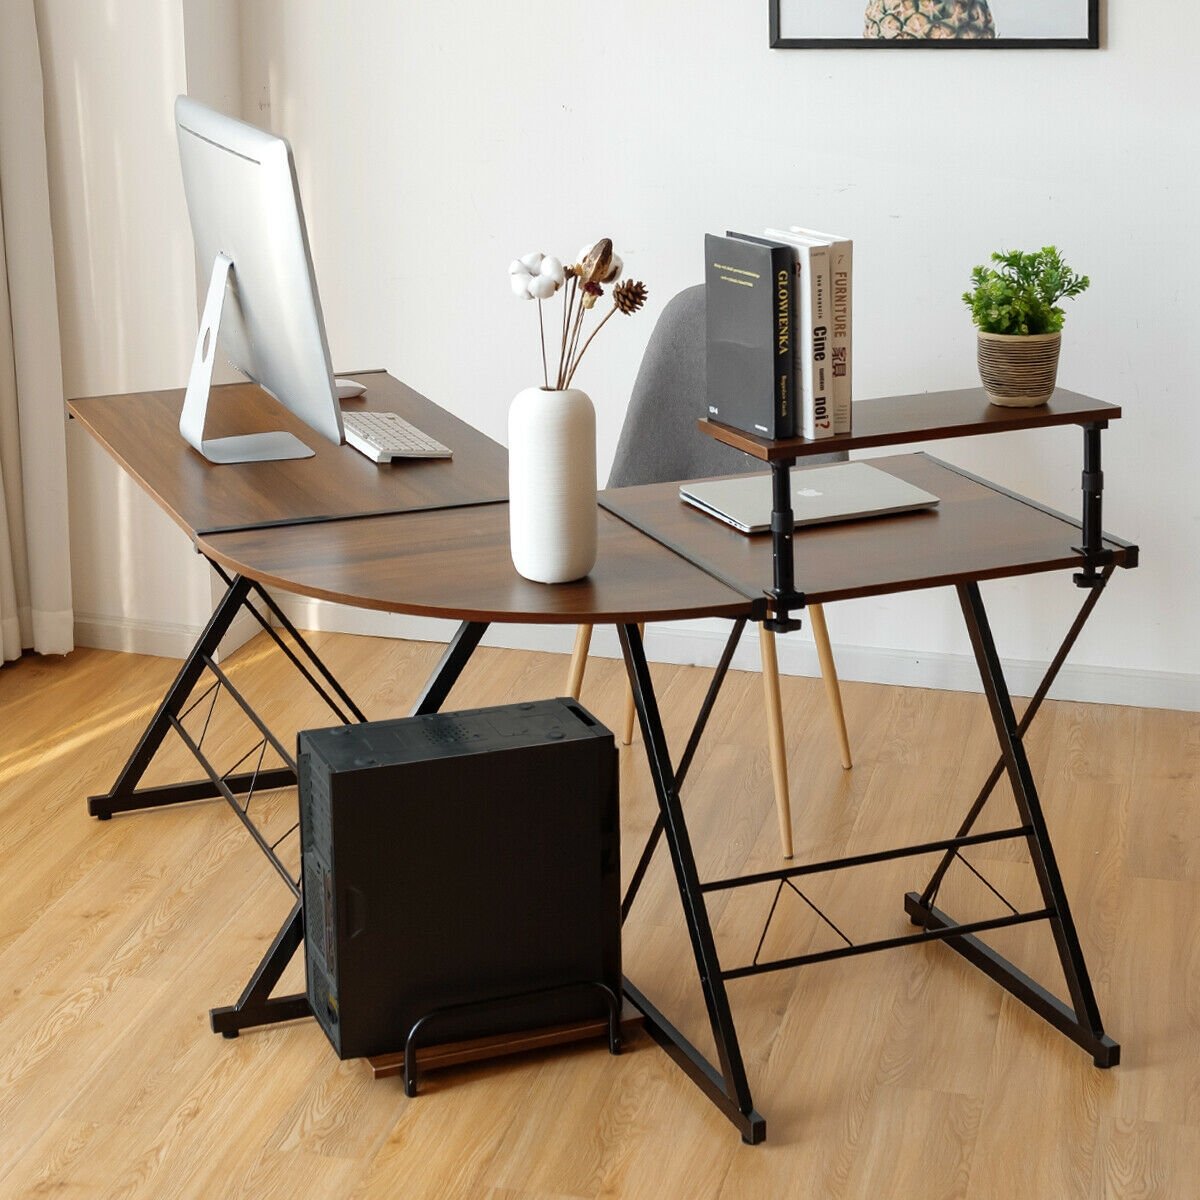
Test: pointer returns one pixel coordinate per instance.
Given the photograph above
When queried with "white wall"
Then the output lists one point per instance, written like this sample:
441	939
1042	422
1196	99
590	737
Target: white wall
432	148
126	288
212	52
127	285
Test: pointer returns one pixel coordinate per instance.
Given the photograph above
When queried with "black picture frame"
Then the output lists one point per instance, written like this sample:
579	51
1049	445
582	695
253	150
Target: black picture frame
1090	42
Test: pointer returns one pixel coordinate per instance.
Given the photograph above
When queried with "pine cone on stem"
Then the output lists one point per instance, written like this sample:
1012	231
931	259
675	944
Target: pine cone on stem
630	296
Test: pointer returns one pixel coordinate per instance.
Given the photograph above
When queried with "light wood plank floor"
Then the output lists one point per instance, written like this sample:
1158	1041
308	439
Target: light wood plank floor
898	1075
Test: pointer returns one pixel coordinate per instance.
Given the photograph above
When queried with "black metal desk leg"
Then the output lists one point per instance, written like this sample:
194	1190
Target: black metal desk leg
729	1088
125	796
449	668
685	762
256	1006
1081	1022
331	691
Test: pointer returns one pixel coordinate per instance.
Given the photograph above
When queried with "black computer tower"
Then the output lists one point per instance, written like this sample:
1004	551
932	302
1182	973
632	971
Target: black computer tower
454	859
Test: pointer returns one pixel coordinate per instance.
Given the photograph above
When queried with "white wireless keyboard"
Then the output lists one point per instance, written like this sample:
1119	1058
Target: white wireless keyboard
385	435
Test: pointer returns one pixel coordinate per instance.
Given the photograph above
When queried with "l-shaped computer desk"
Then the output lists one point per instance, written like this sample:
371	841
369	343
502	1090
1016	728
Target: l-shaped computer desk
431	538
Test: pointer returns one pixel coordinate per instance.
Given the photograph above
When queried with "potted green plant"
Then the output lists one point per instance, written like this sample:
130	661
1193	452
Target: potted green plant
1015	307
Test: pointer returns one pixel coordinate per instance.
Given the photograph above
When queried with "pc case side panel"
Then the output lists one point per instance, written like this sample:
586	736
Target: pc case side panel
316	881
467	878
608	784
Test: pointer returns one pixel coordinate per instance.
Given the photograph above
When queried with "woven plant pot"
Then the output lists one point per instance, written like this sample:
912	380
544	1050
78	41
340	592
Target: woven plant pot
1018	372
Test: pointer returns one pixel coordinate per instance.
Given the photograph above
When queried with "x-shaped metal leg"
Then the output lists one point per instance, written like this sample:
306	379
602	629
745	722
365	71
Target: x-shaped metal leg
727	1086
1080	1020
256	1006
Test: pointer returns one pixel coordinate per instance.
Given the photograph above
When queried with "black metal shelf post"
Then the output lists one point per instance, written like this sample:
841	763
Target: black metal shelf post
1093	510
783	523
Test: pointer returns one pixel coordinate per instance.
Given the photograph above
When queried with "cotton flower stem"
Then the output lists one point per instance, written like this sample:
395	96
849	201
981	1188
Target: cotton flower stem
542	333
591	338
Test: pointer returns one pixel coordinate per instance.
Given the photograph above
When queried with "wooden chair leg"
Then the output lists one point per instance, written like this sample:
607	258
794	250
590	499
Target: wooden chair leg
583	642
775	740
630	713
829	673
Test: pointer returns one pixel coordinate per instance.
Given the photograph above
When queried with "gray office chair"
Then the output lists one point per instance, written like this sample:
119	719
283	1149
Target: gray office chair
659	443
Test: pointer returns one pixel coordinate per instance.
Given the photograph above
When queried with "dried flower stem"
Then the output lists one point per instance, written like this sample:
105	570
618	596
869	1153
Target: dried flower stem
542	333
569	369
568	303
579	356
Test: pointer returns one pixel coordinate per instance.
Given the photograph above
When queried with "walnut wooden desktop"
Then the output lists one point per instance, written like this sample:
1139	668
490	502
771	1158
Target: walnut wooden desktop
435	542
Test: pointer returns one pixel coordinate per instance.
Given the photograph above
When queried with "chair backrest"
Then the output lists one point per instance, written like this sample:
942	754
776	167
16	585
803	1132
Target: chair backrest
659	441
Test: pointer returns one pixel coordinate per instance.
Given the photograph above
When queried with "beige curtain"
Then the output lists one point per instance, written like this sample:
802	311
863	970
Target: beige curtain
35	570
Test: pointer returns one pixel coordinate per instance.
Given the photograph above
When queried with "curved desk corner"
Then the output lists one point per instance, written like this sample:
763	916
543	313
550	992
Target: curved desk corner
454	562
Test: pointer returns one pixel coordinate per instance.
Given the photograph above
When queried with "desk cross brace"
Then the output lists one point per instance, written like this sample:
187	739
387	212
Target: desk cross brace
725	1083
784	878
685	762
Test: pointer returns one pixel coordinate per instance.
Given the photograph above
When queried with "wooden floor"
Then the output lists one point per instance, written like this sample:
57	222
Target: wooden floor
897	1075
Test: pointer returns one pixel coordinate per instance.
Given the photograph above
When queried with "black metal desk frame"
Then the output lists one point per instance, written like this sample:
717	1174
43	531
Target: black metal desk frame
724	1083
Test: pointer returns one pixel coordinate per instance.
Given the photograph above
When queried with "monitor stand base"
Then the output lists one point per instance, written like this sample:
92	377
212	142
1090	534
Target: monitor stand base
254	447
251	447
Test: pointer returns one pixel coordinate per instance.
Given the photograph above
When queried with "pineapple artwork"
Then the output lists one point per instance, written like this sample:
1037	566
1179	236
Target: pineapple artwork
933	19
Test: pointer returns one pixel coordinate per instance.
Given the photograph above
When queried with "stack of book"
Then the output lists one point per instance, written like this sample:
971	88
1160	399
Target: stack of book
779	332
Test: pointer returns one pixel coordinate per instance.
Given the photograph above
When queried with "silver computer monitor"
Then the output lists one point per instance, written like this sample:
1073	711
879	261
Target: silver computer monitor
251	244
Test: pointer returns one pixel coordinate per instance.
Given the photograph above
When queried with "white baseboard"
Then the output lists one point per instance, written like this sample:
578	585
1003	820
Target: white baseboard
161	639
701	642
684	642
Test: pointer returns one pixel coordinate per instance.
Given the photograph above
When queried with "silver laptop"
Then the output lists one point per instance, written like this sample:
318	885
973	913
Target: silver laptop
842	492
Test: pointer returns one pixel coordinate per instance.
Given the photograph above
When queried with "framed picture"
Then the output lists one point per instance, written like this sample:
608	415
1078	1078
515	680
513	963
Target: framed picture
935	24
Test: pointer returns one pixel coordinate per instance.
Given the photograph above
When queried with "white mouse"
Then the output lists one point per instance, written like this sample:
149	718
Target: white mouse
347	389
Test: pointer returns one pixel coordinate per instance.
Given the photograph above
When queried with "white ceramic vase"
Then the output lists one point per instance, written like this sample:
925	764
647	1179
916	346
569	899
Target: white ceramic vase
552	484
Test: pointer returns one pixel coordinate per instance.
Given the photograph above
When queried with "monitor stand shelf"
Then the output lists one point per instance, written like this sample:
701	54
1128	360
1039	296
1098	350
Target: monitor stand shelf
926	416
